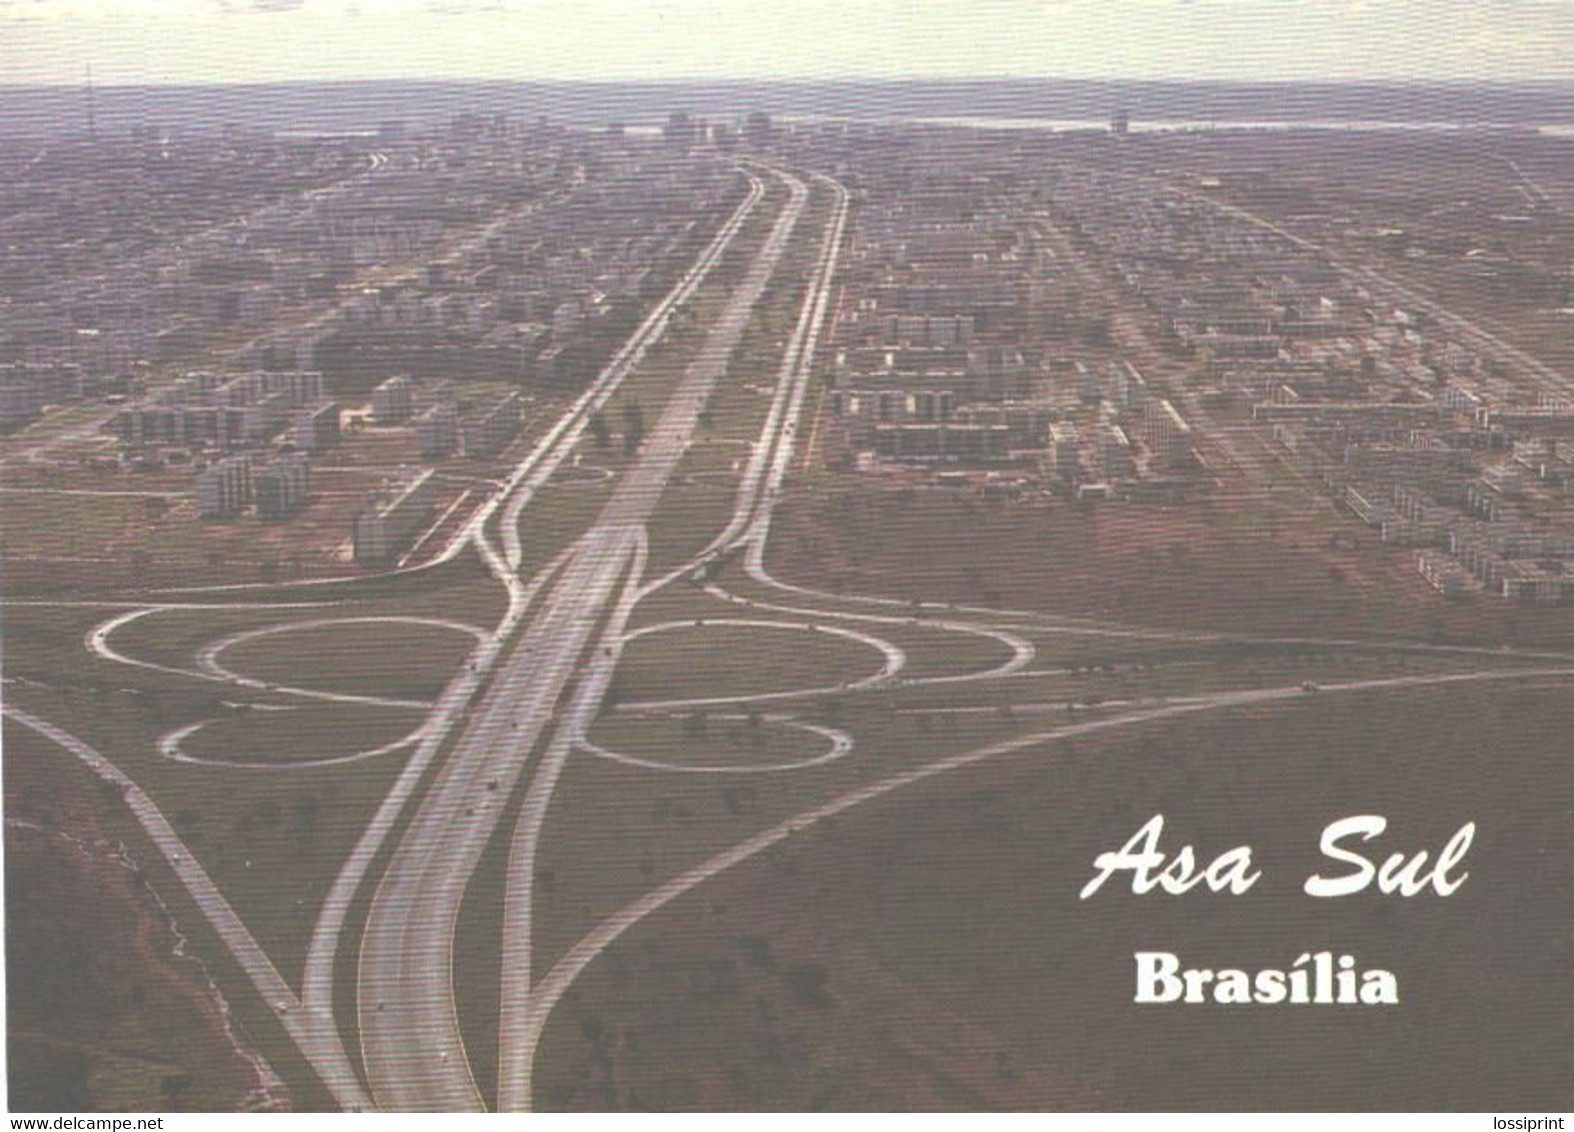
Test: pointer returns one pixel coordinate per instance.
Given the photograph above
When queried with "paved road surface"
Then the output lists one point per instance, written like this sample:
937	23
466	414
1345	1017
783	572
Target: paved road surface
522	1017
555	447
410	1033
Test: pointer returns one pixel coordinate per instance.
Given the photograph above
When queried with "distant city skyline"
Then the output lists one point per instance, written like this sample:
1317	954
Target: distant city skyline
176	42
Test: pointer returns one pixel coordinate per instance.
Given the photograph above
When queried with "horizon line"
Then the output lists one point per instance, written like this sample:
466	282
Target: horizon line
805	80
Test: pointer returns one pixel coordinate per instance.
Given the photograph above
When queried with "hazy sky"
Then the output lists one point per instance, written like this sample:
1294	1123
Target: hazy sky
175	41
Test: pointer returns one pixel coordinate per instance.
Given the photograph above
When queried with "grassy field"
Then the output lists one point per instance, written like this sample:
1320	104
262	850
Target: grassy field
392	659
737	660
1279	569
276	740
48	525
930	950
107	1011
892	729
271	837
649	825
734	741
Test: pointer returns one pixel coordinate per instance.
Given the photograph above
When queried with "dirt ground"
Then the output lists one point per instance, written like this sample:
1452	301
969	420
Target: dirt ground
1223	562
107	1012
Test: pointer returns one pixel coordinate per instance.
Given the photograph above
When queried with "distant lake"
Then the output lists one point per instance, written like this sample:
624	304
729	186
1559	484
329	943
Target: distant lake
1160	125
324	135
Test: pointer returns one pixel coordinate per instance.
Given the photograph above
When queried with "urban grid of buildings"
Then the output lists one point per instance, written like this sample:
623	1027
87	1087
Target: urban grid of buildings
963	339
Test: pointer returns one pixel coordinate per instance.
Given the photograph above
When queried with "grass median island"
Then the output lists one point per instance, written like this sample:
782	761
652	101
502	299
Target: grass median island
699	500
716	659
44	643
478	601
174	637
392	659
569	503
702	742
299	737
555	518
691	513
931	650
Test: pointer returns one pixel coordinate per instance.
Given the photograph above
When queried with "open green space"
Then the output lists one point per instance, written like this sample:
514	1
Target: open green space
55	526
271	837
690	515
721	742
711	660
826	973
1181	676
650	825
300	737
393	659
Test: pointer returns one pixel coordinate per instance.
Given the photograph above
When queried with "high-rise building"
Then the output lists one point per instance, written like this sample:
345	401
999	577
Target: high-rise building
317	428
437	430
280	489
224	487
393	401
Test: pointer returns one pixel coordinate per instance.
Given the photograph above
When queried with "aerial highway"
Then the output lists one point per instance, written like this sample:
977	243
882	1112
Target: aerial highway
308	1016
519	710
410	1031
537	467
521	1015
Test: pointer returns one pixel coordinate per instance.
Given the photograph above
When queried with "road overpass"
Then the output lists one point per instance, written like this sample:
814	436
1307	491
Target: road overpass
410	1035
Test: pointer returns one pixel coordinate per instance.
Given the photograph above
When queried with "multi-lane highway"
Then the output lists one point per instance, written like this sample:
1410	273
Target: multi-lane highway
523	1014
410	1032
